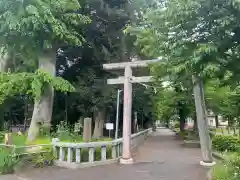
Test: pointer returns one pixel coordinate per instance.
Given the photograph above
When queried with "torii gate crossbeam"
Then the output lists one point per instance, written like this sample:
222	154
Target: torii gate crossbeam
127	80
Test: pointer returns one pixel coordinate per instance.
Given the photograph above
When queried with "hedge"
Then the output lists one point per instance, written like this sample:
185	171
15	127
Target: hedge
223	143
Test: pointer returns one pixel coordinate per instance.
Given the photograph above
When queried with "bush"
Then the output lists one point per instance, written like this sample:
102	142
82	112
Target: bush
176	124
223	143
6	161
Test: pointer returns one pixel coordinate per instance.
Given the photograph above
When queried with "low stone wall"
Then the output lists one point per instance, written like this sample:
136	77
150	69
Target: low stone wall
80	155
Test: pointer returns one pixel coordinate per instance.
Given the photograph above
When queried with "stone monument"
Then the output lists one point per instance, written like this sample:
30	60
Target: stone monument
87	129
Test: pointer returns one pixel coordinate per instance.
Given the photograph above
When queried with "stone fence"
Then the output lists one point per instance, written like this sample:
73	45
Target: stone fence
79	155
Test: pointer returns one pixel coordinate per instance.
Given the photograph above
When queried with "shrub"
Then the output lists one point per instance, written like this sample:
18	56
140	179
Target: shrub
191	135
176	124
1	136
223	143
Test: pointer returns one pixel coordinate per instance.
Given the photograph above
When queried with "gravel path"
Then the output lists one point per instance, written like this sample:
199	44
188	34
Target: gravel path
161	157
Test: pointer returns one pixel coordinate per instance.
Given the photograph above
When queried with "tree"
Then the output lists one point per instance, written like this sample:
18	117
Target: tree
196	39
38	29
105	42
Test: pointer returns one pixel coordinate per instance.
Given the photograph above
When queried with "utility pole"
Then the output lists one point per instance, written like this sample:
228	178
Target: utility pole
117	114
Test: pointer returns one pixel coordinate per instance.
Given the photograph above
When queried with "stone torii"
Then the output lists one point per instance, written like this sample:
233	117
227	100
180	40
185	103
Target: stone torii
127	80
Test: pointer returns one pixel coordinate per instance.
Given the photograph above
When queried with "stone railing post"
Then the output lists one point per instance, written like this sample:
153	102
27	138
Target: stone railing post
78	155
91	154
103	153
70	155
114	153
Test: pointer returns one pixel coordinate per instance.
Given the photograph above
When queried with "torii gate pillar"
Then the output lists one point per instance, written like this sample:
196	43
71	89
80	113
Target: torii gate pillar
127	114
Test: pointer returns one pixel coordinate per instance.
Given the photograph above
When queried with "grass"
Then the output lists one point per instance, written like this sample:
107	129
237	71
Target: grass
220	172
79	139
228	169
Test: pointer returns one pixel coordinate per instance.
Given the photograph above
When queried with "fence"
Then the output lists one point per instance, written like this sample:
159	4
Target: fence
79	155
226	130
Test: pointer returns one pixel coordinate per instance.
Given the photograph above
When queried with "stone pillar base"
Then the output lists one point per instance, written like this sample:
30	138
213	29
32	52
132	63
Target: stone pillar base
207	164
126	161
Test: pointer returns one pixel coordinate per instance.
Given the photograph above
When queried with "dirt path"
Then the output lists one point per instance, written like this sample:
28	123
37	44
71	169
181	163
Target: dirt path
161	157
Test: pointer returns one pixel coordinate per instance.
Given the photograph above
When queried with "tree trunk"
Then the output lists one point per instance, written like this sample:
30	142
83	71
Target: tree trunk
42	112
181	111
182	117
5	62
195	126
99	124
216	121
182	124
205	141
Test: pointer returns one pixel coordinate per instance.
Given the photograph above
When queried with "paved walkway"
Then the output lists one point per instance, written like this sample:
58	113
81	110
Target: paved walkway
161	157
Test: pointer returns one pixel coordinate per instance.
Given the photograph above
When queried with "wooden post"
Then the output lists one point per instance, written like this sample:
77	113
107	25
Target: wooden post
205	141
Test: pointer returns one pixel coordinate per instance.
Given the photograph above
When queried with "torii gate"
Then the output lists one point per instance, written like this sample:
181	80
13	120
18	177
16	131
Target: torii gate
127	80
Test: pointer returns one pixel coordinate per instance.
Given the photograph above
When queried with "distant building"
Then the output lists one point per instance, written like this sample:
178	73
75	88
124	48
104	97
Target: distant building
211	121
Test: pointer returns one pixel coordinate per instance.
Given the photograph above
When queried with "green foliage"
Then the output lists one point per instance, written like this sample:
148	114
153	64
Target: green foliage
12	84
63	132
223	143
229	169
42	159
176	124
9	163
42	78
40	24
1	136
194	37
221	172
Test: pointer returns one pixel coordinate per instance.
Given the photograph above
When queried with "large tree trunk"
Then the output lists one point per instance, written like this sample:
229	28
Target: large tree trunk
205	141
182	123
5	62
99	123
42	113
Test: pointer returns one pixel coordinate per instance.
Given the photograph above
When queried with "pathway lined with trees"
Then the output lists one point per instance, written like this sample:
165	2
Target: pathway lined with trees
51	57
160	157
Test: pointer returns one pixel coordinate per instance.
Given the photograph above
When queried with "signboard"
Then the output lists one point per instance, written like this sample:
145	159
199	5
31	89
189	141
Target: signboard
109	126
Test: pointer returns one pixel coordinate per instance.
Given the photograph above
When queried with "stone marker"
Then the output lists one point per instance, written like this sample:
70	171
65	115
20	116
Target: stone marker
77	127
8	139
87	129
19	133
